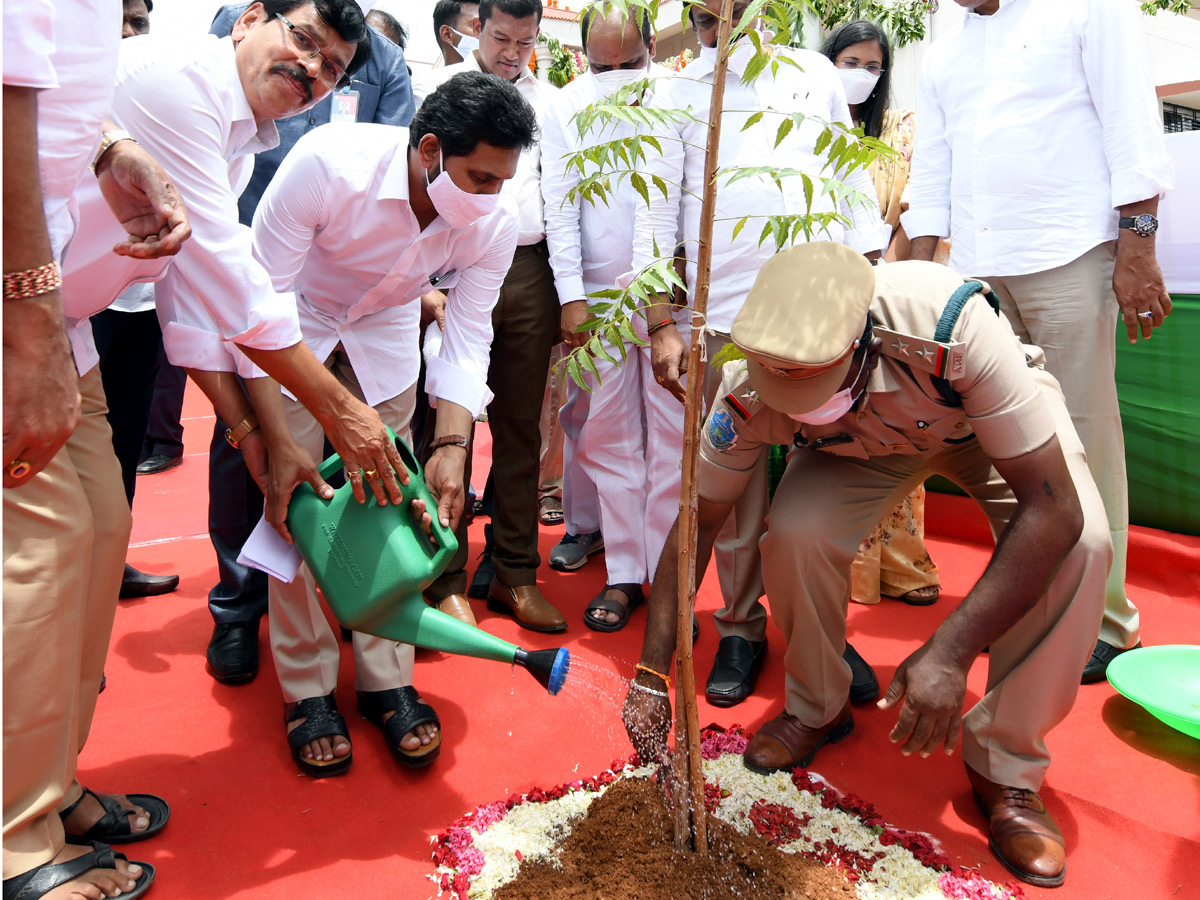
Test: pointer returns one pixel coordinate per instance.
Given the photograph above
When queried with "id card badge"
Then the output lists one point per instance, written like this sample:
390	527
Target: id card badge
345	106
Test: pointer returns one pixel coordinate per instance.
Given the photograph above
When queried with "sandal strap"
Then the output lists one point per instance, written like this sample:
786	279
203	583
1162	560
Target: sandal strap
45	878
321	719
410	711
114	822
633	593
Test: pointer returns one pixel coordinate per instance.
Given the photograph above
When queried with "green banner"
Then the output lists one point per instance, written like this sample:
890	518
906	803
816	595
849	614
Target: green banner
1158	382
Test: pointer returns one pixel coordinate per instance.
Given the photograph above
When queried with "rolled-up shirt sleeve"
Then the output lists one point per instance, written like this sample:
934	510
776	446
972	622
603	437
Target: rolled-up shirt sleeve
1123	94
216	291
29	45
459	373
929	182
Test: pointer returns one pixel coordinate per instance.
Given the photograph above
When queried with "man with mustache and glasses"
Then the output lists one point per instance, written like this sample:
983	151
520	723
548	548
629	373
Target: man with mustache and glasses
379	92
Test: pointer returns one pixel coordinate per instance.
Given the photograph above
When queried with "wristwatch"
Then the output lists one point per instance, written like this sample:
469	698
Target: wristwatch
238	432
1143	225
106	141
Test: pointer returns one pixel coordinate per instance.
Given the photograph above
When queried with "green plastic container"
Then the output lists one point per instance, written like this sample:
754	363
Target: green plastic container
1165	680
373	562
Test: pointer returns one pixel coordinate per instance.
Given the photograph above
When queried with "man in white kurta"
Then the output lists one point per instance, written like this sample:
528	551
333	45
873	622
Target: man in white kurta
629	437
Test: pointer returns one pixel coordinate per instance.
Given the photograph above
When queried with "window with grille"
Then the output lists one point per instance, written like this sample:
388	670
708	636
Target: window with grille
1180	118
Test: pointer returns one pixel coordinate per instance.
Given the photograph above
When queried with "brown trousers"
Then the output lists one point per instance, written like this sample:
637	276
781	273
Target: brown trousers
525	324
66	532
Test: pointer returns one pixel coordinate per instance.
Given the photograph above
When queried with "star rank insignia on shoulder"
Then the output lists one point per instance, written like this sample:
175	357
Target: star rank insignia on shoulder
942	360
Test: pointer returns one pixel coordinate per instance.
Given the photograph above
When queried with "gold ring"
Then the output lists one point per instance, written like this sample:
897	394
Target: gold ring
18	468
660	379
370	473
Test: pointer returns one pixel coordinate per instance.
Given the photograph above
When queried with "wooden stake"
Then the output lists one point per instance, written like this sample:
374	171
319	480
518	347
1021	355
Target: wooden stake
690	822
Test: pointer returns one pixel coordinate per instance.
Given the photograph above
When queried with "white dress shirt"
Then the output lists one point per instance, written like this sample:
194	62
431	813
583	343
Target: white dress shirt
336	222
67	50
1036	123
814	90
523	187
591	245
184	102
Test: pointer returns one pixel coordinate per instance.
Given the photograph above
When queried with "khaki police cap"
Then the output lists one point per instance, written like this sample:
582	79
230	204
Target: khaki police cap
800	323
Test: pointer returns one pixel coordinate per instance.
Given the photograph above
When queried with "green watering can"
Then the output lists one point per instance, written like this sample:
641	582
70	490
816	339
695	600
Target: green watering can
372	563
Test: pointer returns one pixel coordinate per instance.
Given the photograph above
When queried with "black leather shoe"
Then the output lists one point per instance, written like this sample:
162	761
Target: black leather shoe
482	579
735	670
139	584
864	688
233	652
158	462
1097	667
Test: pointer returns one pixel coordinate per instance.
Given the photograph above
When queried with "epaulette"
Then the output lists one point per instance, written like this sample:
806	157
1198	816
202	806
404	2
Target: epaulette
936	358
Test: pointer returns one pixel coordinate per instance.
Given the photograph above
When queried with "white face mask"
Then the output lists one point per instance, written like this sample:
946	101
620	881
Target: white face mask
467	43
859	83
833	408
455	205
615	79
709	55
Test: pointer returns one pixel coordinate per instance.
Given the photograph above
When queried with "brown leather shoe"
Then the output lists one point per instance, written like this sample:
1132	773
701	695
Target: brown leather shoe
526	604
784	742
1021	833
458	606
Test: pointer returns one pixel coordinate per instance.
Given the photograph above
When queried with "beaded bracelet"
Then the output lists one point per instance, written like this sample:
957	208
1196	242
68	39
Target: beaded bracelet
646	690
32	282
658	326
640	668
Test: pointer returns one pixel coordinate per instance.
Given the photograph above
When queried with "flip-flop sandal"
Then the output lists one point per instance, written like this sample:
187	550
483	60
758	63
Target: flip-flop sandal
914	598
410	712
601	603
321	719
40	881
114	826
551	515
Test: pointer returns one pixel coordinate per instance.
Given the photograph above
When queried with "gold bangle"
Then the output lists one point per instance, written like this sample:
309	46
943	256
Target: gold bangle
640	668
32	282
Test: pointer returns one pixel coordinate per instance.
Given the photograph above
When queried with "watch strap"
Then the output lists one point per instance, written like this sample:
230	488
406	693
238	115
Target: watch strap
450	440
238	432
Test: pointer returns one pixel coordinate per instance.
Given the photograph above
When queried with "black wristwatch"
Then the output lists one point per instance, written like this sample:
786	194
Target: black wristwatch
1143	225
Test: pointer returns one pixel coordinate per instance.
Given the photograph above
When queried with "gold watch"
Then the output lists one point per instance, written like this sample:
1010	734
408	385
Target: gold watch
106	141
238	432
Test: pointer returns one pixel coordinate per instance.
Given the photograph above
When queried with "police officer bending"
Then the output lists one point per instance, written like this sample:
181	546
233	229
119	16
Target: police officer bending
842	363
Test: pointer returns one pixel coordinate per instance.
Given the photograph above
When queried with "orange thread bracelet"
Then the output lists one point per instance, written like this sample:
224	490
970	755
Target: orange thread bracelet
640	668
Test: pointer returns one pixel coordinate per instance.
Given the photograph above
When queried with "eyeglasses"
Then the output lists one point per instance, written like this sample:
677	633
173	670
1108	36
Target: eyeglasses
307	47
870	67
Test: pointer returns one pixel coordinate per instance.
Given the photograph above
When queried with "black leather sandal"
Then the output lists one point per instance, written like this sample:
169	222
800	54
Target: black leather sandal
601	603
114	826
410	712
321	719
40	881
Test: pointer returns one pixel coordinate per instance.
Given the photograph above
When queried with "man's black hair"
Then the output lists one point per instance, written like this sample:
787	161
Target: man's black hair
585	24
343	16
473	108
149	4
518	9
447	12
390	27
871	110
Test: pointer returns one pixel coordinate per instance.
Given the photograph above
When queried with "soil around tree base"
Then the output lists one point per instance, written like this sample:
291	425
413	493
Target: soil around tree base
623	849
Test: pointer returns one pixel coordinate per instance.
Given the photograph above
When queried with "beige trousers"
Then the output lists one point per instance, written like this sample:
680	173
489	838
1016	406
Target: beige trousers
305	648
66	532
1071	312
739	565
823	507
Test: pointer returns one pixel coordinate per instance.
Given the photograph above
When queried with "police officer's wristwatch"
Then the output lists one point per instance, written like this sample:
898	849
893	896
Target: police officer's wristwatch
1143	225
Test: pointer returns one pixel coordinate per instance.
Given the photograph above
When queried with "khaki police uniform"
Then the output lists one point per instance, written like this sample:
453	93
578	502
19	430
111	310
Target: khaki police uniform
841	478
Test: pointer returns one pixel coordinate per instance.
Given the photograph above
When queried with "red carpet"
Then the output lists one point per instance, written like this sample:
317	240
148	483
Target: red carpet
246	824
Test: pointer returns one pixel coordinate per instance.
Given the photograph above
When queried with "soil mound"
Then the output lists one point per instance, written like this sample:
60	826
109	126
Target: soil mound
623	849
